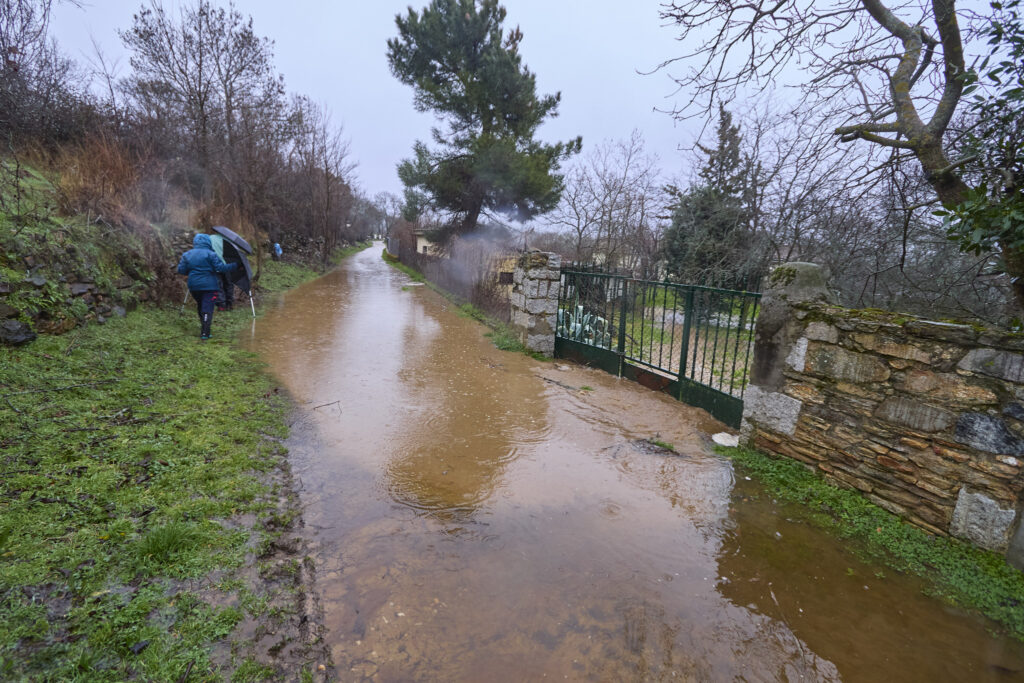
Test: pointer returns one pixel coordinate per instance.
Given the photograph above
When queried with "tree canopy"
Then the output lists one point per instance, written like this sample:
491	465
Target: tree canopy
463	66
710	240
890	74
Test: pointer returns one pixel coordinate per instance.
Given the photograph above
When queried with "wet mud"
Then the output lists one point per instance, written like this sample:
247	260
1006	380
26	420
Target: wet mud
477	515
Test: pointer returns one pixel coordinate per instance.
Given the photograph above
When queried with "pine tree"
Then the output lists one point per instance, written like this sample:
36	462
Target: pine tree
463	66
710	240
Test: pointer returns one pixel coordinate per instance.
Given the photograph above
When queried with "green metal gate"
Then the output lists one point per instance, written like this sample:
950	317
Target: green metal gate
692	342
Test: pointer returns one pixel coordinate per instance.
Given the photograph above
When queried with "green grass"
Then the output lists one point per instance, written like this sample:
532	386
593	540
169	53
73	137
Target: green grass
956	572
278	276
343	252
416	275
663	444
126	453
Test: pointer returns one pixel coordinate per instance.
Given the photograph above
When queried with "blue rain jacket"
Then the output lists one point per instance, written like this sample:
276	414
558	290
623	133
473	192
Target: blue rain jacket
202	264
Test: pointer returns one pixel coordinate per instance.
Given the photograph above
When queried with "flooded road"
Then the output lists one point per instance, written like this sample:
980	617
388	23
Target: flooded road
480	516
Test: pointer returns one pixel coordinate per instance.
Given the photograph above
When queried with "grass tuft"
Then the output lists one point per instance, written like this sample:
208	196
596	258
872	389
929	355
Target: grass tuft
165	542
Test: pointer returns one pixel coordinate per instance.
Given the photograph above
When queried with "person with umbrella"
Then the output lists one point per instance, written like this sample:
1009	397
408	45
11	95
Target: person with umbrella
202	265
233	249
227	285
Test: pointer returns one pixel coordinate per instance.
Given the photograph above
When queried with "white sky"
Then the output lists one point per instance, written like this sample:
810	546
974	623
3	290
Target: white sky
334	52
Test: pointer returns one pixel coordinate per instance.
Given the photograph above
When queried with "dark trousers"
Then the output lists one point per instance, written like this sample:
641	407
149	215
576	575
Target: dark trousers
227	288
205	301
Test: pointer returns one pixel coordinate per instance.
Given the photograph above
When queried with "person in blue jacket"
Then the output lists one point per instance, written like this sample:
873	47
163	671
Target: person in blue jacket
202	265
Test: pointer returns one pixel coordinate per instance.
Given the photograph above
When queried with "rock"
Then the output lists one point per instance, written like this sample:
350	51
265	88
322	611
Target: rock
5	288
838	363
1014	410
123	282
15	333
823	332
119	311
918	416
987	433
950	332
30	261
726	439
7	311
980	520
892	347
36	280
100	320
994	363
948	386
797	357
799	282
79	288
770	409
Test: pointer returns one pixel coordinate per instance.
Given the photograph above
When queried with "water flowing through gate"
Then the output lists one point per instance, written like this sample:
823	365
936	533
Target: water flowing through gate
690	341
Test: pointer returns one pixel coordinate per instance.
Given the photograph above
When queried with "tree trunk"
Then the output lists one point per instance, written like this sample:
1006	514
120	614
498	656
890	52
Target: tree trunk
951	191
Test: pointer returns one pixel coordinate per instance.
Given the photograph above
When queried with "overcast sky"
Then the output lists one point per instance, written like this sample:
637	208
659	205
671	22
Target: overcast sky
334	51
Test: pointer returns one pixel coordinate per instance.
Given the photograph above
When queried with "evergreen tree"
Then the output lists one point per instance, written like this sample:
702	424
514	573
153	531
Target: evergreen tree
711	240
461	65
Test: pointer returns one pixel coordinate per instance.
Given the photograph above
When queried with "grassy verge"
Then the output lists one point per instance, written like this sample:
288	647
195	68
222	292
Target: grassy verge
502	335
957	573
139	503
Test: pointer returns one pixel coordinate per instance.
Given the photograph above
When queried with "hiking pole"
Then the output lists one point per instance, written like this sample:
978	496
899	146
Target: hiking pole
184	301
251	304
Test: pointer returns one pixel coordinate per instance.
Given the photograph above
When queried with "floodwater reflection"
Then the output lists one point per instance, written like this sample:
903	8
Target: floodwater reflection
478	515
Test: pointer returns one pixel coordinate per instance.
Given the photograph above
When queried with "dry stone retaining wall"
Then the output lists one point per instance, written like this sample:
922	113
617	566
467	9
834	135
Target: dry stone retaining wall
925	418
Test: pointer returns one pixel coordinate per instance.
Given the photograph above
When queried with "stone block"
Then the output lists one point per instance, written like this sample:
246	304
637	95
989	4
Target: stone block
544	343
823	332
888	346
988	433
1014	410
541	306
915	415
894	464
798	355
981	520
771	409
1002	364
948	332
805	393
838	363
948	386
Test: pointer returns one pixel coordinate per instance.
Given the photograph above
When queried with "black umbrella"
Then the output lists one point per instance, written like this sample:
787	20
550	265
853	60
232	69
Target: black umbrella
241	277
234	238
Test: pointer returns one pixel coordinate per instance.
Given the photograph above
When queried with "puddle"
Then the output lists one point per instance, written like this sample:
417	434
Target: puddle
478	515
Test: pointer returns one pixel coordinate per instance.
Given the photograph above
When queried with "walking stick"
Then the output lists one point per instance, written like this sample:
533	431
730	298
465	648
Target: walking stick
251	304
184	301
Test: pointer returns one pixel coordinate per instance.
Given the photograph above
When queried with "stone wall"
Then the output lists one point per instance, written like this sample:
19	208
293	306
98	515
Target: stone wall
534	300
925	418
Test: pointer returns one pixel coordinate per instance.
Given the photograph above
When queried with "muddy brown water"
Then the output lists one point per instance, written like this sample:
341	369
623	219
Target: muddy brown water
480	516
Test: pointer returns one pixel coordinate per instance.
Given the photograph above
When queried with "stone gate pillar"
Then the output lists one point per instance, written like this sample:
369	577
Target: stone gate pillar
534	300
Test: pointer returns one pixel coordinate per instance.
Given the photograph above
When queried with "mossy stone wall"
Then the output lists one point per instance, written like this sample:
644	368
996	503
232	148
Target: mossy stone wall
925	418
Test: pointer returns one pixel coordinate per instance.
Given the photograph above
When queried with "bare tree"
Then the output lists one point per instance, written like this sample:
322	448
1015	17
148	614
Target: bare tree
612	203
891	75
